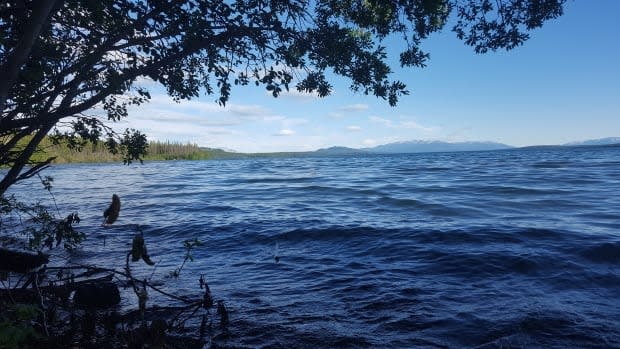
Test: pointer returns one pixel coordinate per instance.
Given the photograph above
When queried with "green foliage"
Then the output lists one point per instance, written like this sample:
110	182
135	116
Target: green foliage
61	59
189	246
131	145
35	222
177	151
89	152
16	325
47	183
489	25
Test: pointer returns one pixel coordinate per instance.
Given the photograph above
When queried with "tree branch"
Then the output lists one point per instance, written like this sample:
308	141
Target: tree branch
17	57
11	176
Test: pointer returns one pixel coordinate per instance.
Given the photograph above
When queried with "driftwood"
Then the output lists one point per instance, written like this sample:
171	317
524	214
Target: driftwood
21	262
90	316
60	288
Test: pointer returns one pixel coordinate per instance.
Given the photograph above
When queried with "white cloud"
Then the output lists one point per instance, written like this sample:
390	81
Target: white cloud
247	110
285	132
263	127
415	126
460	135
404	123
198	108
204	122
298	95
288	122
354	107
172	117
379	120
146	82
369	142
163	114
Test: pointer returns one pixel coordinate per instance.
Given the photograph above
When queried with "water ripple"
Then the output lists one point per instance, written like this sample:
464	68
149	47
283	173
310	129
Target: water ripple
517	248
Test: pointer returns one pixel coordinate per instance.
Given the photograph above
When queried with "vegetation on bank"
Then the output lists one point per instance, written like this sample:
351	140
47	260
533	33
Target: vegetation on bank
156	151
98	152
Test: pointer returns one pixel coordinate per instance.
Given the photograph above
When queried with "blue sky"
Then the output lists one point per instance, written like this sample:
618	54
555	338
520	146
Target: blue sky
563	85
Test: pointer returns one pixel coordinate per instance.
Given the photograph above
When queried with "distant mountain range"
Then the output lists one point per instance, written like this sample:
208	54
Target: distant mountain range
420	146
417	146
600	141
414	147
337	151
435	146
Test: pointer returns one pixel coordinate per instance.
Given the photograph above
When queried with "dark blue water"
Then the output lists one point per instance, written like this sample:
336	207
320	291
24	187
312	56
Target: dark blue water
510	249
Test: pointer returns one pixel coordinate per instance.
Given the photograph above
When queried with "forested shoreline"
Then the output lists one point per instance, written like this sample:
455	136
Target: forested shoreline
97	152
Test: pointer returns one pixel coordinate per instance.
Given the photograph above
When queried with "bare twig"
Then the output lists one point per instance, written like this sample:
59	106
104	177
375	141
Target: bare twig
41	304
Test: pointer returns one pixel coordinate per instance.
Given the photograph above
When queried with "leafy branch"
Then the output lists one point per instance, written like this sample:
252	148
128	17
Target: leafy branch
189	246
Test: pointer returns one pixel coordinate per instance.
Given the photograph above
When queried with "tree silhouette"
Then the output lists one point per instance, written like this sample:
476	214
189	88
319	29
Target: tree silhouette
62	61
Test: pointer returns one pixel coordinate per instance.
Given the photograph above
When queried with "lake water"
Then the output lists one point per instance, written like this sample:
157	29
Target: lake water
516	248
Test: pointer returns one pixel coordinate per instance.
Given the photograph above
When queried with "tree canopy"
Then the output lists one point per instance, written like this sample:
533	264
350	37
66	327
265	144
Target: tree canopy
61	59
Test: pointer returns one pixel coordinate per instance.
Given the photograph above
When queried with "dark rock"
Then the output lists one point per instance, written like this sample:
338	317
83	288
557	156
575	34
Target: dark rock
99	295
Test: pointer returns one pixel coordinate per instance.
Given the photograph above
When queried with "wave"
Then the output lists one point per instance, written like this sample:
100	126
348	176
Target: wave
552	164
485	250
607	252
521	190
277	179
